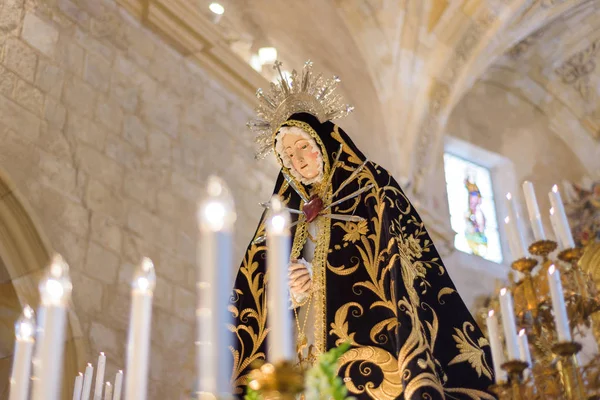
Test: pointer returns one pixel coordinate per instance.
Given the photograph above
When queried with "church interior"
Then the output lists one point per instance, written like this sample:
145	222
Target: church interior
114	113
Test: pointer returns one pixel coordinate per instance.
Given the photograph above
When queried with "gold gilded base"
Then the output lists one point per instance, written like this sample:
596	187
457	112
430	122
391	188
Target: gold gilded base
568	369
515	369
542	248
570	255
280	381
524	265
501	390
566	349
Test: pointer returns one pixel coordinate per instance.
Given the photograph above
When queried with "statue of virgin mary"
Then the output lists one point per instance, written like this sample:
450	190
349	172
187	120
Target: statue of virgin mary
363	269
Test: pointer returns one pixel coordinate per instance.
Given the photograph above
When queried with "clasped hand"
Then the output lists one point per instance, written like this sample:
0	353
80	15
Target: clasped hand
299	278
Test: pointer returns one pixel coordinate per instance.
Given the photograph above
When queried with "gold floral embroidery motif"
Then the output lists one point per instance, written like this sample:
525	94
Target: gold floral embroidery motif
470	351
242	360
391	384
243	357
354	230
352	156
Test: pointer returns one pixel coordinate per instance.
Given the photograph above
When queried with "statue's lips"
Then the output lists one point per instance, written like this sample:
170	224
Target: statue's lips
312	209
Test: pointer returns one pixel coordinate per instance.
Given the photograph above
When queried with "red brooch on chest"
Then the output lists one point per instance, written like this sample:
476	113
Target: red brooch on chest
312	209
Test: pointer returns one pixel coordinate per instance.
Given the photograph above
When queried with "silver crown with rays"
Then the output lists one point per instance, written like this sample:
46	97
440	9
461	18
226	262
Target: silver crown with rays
300	93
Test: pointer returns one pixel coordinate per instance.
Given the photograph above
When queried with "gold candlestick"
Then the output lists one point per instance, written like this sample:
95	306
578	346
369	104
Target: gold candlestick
281	381
572	255
501	390
515	369
528	298
546	381
543	248
525	291
569	369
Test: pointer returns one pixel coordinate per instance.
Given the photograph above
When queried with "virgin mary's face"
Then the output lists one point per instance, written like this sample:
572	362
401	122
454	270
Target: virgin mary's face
302	154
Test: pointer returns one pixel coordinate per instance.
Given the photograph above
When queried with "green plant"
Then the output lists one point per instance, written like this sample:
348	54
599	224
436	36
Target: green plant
252	394
322	381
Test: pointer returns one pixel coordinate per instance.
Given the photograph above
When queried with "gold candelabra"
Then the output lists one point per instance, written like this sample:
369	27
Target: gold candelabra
281	381
514	370
555	373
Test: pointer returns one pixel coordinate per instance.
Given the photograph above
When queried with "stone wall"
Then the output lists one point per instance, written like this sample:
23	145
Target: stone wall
109	135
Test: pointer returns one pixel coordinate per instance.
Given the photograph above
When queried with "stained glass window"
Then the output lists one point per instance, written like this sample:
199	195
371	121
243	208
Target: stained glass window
472	208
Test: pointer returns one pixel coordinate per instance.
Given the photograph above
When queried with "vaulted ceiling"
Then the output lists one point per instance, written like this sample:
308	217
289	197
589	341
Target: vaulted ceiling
434	52
554	68
405	64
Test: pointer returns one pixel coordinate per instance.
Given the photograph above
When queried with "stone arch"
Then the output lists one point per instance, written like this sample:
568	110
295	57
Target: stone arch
24	255
474	53
428	55
564	122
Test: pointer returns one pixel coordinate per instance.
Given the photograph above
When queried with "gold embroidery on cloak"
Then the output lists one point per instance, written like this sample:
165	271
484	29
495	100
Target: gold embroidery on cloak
249	270
421	339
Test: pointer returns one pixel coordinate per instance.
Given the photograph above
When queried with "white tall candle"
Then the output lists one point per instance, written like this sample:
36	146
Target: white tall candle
216	216
39	333
534	212
77	387
21	368
496	347
55	291
562	222
138	341
99	376
511	236
118	384
524	352
558	305
517	228
508	323
553	221
87	382
108	391
280	339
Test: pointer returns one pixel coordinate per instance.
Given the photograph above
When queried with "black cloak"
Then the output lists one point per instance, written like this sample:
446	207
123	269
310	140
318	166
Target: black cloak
379	284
